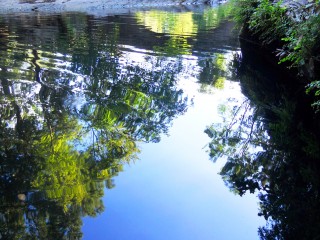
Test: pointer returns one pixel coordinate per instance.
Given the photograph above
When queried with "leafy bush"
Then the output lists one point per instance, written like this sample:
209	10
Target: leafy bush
269	21
293	26
243	10
315	88
303	37
263	18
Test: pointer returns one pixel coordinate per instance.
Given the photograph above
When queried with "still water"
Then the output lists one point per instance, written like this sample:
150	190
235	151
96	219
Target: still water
102	126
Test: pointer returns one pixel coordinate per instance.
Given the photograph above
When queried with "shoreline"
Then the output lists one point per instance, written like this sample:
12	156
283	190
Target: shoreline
95	7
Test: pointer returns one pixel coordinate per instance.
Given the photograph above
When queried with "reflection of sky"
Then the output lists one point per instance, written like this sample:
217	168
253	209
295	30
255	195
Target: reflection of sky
174	191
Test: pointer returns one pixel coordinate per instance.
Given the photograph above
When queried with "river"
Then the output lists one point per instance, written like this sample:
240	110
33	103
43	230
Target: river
103	123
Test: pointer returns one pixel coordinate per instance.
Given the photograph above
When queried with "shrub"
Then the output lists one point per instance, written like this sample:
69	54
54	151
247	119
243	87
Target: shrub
293	26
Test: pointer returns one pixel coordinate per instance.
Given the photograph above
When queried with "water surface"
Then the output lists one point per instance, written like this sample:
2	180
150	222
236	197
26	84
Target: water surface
102	126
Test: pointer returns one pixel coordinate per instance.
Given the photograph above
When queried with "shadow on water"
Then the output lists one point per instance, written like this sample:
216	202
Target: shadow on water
272	146
73	108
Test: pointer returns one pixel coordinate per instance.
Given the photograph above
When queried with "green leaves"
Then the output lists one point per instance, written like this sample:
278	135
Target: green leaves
268	21
294	29
314	87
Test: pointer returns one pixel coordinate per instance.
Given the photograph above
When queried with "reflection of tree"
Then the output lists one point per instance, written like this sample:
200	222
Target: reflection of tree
212	17
29	159
145	101
237	139
213	72
272	145
70	120
181	27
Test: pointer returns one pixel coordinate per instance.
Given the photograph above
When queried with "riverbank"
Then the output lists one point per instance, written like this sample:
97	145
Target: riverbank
93	6
290	32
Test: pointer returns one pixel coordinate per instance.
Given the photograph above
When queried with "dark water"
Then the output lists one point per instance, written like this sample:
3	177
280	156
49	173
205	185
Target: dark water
272	145
84	98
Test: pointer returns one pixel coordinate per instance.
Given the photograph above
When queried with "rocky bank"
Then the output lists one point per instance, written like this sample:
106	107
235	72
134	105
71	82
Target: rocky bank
90	6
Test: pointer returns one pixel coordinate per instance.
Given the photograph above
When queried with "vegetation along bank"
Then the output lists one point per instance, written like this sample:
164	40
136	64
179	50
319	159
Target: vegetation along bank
290	29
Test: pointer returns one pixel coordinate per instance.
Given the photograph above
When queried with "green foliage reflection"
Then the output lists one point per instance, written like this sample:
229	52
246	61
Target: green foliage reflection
213	72
72	112
182	27
271	143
